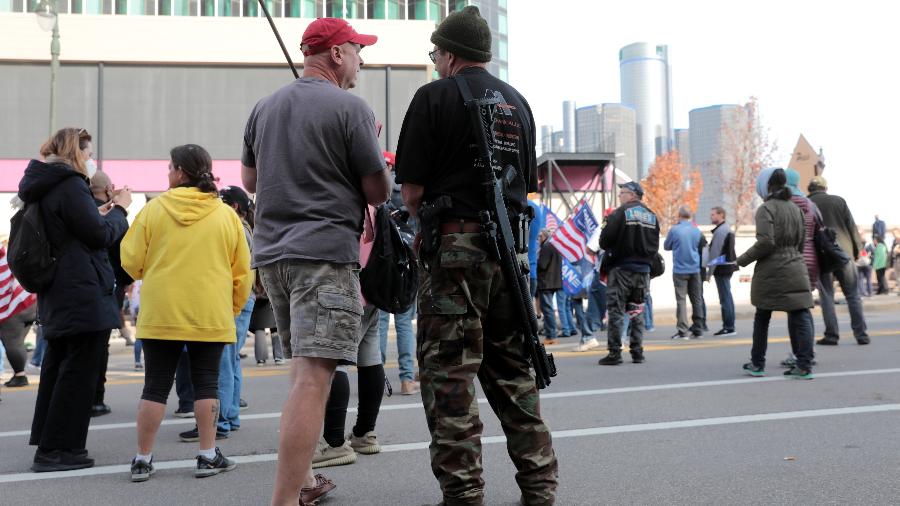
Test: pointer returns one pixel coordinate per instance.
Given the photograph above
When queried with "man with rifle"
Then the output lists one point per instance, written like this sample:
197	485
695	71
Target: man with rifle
467	164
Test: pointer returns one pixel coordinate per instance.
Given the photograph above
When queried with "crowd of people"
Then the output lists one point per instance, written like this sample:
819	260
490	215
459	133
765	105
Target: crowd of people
200	268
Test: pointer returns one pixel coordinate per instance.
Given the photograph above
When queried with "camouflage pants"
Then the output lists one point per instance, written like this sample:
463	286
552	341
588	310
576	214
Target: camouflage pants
466	328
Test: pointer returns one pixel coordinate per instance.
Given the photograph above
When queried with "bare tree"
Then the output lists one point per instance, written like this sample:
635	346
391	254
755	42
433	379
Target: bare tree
746	150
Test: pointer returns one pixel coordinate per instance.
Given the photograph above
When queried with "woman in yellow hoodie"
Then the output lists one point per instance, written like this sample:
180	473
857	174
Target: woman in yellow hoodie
189	249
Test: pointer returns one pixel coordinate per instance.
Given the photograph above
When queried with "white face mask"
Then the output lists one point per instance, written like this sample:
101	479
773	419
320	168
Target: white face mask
91	166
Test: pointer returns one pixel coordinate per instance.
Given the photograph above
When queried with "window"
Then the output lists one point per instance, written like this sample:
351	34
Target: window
207	7
229	8
394	10
457	5
355	9
334	8
417	9
121	6
138	7
164	7
503	50
437	9
502	25
504	74
251	8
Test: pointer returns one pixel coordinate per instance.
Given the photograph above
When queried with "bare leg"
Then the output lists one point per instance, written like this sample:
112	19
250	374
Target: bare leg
206	411
301	425
149	416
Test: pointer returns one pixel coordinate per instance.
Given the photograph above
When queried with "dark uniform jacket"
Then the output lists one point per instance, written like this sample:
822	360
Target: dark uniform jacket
80	299
630	237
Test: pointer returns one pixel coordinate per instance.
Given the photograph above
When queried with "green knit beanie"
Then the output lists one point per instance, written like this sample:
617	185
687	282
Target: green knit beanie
466	34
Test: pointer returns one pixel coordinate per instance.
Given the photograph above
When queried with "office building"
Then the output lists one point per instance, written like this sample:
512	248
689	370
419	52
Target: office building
683	145
709	148
609	128
646	86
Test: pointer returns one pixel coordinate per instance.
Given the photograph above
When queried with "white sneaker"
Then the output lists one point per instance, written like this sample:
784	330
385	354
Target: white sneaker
367	444
590	345
327	455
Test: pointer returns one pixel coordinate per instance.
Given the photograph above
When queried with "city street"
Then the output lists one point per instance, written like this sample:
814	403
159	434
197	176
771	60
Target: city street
686	427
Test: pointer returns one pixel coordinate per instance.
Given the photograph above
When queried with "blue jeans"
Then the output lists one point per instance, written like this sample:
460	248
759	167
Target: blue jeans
547	297
230	376
723	285
406	340
581	319
564	307
40	346
596	304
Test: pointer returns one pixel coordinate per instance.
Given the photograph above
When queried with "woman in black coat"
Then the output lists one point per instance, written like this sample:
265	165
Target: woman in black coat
78	308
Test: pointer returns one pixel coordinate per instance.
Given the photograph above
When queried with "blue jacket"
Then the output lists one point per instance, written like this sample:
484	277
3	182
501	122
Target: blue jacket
80	299
683	240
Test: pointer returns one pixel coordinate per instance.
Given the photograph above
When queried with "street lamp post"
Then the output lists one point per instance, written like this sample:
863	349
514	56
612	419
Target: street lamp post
48	19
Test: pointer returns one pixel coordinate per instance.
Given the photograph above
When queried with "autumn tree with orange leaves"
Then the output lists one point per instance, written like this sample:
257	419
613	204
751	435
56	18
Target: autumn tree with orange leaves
666	189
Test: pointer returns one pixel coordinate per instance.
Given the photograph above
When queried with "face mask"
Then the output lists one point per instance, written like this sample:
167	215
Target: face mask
91	166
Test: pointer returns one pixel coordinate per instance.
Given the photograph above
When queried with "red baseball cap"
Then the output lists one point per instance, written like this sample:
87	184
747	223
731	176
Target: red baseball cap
324	33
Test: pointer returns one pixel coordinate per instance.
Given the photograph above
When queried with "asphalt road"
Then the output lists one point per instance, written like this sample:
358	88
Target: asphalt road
686	427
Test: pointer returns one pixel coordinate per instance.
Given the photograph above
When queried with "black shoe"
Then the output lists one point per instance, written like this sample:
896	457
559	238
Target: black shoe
193	435
696	336
100	410
243	404
242	356
184	413
46	461
798	373
614	358
17	381
679	335
725	333
827	342
863	340
219	464
140	470
637	358
754	370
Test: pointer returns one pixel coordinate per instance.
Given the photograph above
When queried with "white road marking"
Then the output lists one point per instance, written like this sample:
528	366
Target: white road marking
556	395
591	431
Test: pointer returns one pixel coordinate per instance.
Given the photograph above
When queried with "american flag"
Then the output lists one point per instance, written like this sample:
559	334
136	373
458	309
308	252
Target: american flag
551	222
570	238
13	298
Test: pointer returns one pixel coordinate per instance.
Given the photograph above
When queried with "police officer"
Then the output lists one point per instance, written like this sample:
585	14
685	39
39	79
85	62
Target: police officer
631	241
467	325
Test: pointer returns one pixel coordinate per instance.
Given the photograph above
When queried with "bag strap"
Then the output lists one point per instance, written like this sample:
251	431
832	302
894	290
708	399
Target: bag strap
464	89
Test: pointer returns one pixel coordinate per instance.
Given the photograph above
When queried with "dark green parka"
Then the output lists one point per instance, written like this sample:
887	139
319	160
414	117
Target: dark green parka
780	281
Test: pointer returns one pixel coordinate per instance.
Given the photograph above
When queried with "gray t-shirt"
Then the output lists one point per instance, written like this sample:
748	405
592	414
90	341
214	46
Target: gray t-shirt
311	144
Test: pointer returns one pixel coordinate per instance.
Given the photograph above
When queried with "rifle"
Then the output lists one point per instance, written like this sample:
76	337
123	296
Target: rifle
278	36
497	231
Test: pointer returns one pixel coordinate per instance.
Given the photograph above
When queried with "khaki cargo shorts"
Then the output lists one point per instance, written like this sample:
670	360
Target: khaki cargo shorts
317	307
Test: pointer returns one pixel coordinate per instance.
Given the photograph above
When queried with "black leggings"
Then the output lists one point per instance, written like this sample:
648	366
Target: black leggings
161	360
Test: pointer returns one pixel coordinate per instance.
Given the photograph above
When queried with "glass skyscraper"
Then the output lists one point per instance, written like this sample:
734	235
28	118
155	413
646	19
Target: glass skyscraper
646	86
608	128
708	148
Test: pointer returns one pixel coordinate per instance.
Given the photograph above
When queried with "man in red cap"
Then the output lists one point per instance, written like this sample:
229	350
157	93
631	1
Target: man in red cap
309	148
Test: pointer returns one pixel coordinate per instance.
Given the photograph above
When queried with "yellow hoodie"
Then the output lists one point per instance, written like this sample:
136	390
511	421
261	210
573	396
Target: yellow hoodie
190	250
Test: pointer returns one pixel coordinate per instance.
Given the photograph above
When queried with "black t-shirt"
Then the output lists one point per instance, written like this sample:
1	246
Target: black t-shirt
437	148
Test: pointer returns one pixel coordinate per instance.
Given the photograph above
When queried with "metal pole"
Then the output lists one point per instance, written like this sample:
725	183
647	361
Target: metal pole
99	150
278	36
54	68
387	108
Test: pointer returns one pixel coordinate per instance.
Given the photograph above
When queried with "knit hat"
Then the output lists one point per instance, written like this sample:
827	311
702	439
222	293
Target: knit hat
466	34
793	182
762	182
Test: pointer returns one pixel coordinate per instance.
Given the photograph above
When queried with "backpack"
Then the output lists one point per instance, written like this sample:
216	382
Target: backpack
390	278
657	266
30	254
829	254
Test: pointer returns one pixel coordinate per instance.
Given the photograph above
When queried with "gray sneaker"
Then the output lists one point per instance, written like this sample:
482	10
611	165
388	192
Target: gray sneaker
207	467
327	455
367	444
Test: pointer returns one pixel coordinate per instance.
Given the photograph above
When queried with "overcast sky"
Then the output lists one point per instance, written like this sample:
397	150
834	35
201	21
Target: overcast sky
827	70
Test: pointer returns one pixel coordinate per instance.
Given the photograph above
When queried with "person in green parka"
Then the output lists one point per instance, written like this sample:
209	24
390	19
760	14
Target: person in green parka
879	263
780	278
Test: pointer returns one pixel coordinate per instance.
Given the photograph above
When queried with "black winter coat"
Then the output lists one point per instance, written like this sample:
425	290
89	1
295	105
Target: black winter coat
81	297
549	268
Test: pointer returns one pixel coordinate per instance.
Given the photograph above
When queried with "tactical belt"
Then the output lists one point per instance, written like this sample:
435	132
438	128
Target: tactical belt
460	227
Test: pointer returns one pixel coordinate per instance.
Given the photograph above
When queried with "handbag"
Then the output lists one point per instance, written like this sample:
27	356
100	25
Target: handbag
829	254
390	278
